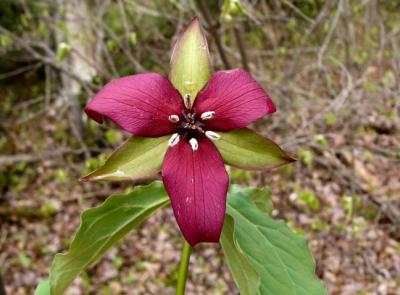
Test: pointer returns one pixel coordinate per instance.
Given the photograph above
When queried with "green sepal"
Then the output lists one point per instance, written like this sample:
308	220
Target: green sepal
190	66
136	159
246	149
101	228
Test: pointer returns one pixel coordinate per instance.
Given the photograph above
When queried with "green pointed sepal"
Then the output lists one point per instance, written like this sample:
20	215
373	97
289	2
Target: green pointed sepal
246	149
190	66
136	159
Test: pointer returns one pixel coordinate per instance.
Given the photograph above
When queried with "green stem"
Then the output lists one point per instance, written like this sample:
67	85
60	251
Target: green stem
183	269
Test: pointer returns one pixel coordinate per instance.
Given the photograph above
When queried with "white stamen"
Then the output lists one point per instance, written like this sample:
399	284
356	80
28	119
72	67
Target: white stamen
193	142
213	135
208	115
174	139
187	102
173	118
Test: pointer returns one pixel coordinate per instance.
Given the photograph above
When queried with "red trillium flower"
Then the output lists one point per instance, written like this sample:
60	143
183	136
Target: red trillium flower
195	121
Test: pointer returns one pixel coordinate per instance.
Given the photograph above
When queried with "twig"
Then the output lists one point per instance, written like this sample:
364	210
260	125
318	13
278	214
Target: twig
298	11
21	70
242	50
330	32
342	174
28	158
10	213
48	59
138	67
301	49
213	28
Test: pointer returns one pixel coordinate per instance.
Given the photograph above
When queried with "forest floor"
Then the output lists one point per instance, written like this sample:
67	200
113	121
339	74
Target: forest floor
342	194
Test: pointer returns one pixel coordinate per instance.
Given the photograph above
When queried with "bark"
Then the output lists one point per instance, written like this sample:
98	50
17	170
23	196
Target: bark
80	61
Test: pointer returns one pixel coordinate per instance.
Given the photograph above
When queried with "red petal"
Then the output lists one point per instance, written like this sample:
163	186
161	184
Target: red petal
197	183
236	98
140	104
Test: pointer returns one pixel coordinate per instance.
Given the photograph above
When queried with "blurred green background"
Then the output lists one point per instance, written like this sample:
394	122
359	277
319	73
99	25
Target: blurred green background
332	68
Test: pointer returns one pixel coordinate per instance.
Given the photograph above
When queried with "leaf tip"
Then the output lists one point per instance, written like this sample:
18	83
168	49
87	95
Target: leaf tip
193	27
94	175
289	158
195	21
190	51
85	178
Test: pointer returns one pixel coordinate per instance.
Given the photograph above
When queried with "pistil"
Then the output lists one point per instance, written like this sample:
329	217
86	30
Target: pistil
187	101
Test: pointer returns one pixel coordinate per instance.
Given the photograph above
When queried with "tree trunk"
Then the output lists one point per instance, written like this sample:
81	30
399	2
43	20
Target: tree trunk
80	61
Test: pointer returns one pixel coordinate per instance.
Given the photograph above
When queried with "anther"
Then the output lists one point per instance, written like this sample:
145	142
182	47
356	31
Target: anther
187	102
173	118
194	143
207	115
174	139
213	135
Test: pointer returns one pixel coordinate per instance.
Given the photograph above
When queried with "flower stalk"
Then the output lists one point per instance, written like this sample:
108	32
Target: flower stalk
183	269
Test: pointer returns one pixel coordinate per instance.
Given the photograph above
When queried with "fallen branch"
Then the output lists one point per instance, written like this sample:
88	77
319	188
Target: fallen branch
28	158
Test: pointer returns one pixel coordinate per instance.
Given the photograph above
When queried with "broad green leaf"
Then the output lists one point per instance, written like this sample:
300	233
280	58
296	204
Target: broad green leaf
261	197
244	274
246	149
102	227
137	158
190	61
280	257
43	288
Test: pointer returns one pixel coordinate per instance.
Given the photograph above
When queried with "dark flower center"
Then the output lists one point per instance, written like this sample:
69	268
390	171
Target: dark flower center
190	126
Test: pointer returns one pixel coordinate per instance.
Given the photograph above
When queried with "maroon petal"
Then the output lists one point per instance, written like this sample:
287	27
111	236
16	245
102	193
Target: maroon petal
140	104
236	98
197	183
